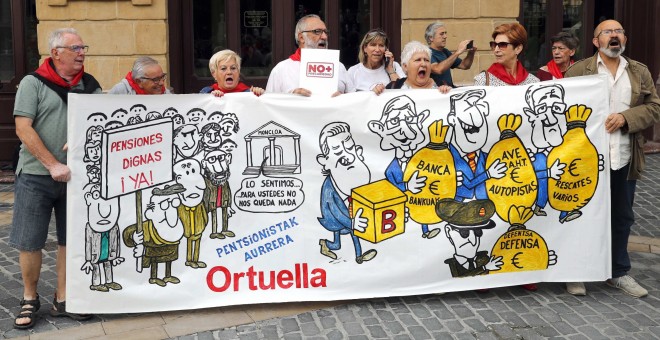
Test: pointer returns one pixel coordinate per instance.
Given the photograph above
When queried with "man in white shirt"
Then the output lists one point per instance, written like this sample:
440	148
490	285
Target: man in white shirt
635	106
311	32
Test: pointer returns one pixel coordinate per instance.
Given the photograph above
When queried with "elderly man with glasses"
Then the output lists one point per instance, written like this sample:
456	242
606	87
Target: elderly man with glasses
634	106
311	32
146	77
40	113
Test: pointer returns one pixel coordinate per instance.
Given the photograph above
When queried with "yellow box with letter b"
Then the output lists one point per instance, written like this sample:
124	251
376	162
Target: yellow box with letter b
383	205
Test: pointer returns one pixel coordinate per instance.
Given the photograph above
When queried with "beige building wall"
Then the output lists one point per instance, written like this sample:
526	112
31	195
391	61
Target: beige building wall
117	32
464	19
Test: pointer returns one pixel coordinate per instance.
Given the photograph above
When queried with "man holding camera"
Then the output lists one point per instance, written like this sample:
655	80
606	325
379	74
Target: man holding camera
442	60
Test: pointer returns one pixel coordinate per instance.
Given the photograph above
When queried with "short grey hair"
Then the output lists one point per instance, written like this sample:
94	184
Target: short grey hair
140	64
412	48
430	30
221	56
302	25
56	37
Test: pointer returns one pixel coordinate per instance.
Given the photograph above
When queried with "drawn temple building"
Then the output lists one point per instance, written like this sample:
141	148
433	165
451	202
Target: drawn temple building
273	147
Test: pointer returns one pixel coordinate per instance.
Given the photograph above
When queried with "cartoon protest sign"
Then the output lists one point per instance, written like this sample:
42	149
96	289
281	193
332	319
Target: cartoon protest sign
282	198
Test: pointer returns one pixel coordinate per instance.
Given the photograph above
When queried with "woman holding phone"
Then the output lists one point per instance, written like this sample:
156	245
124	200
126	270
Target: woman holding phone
377	65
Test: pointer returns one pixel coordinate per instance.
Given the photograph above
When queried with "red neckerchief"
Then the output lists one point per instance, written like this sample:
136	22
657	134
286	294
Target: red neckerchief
498	71
136	87
553	68
239	88
47	70
295	56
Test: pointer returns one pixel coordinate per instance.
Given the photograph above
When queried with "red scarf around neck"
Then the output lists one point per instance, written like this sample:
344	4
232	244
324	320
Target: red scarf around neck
136	87
500	72
295	56
239	88
553	68
47	70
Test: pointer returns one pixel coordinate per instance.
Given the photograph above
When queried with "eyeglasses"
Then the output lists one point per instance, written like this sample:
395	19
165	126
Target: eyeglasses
76	48
502	45
559	48
318	31
156	79
394	122
556	108
609	32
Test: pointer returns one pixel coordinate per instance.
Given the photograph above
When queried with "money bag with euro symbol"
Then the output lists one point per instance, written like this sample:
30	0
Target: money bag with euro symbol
435	162
519	185
522	249
578	183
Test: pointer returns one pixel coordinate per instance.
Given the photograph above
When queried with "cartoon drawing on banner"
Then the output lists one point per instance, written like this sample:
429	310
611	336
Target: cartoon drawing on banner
217	195
520	248
101	239
192	211
545	102
229	124
186	142
158	242
435	162
97	117
400	129
195	116
272	142
466	222
519	185
277	149
467	117
344	169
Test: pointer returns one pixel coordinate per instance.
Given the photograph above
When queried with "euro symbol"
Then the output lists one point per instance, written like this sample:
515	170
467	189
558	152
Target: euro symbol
515	176
434	186
514	260
572	169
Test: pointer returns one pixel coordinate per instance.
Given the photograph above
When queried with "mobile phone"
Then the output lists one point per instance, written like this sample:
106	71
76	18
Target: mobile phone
387	61
470	45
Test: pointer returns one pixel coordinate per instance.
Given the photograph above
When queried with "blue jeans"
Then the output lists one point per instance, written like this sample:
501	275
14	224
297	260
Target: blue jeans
35	198
622	196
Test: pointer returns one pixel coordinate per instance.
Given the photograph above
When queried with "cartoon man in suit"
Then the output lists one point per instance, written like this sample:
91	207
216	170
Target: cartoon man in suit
344	168
467	116
400	129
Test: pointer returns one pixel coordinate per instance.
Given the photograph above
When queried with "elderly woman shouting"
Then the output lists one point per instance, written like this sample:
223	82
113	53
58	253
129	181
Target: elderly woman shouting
564	45
377	65
225	66
416	60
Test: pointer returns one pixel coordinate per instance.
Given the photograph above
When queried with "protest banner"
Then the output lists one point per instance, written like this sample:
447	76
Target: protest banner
280	198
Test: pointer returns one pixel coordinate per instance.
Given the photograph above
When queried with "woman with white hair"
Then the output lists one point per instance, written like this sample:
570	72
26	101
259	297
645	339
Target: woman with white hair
225	66
416	61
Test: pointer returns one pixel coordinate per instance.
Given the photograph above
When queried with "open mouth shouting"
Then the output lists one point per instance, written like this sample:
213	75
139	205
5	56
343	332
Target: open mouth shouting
470	130
322	43
614	43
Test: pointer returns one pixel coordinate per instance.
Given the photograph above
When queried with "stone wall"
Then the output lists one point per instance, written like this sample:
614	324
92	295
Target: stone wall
117	32
464	19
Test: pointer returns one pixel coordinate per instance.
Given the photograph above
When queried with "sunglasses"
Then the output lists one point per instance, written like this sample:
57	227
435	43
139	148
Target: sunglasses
466	232
502	45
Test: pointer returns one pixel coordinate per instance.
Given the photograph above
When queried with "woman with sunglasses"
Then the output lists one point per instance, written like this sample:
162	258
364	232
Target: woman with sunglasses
225	67
564	45
377	65
509	40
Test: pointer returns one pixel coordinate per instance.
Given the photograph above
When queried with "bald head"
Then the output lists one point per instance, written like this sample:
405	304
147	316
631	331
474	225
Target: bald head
605	25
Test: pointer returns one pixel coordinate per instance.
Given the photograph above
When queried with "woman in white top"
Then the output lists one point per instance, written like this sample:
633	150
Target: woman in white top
372	69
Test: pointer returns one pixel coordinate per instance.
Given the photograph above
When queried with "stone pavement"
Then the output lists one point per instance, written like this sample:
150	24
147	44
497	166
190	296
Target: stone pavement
503	313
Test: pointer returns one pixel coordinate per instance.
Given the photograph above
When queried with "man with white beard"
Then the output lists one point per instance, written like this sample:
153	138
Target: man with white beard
344	168
400	129
634	106
311	32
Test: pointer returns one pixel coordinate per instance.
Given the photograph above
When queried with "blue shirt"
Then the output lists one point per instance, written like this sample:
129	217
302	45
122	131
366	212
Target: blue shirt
445	77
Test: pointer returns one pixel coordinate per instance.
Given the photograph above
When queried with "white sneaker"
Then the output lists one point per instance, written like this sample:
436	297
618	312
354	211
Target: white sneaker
628	285
576	288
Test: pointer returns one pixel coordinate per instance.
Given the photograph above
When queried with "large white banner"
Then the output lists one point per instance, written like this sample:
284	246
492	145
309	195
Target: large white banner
192	201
